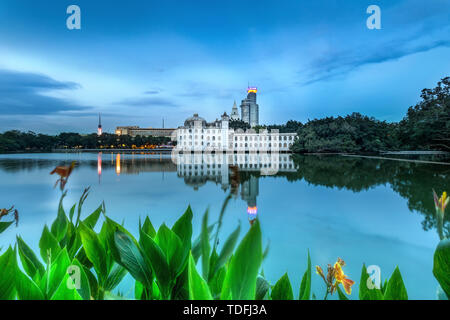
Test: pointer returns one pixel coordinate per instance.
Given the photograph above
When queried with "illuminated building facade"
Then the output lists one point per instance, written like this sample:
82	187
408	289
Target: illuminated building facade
198	136
145	132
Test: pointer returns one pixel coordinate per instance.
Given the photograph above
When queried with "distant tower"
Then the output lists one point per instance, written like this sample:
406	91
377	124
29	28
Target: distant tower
234	112
99	129
249	108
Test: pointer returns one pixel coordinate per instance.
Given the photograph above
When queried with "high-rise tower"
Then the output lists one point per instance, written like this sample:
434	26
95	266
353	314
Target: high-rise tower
99	129
249	108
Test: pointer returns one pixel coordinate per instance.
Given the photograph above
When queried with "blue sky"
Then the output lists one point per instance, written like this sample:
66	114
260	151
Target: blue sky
138	61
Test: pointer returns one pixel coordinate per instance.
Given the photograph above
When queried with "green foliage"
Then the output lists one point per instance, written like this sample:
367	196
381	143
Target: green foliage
7	278
240	280
305	286
441	265
427	124
132	259
5	225
11	141
367	289
238	124
282	289
341	295
198	288
353	133
262	288
395	289
79	263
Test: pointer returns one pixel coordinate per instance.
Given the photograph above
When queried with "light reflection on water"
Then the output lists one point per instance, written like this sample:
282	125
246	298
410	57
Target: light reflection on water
369	211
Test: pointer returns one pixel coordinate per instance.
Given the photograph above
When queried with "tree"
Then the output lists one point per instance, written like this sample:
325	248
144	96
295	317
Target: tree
427	124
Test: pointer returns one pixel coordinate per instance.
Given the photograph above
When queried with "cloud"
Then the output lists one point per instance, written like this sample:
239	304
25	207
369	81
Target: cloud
147	102
150	92
332	65
24	93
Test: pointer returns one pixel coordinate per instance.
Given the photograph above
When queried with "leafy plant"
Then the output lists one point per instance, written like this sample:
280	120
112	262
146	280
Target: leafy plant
77	262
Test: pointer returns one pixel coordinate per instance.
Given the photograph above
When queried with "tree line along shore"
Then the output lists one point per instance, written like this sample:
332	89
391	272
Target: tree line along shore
425	127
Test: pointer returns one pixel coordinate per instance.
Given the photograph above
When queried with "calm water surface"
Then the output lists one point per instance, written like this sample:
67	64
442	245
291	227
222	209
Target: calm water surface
372	211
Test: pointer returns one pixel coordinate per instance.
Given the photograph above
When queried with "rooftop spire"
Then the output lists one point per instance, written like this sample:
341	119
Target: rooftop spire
99	129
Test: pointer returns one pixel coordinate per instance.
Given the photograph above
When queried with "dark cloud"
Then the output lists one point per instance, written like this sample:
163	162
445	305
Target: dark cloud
23	93
151	92
340	63
147	102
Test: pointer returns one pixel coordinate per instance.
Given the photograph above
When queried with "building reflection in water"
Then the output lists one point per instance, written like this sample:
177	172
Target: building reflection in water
238	173
118	164
232	170
99	166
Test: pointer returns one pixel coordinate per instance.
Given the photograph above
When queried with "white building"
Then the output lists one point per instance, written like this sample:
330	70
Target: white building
199	136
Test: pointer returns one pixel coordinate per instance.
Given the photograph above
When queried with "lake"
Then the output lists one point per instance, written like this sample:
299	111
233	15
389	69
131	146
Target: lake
373	211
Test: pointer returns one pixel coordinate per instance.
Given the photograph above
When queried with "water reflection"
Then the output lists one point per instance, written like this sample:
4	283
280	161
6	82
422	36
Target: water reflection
118	164
99	166
240	174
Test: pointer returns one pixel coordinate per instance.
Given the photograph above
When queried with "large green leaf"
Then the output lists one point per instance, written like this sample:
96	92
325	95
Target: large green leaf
341	295
26	288
109	229
240	280
441	265
173	249
158	262
148	228
49	246
132	259
139	291
198	288
115	277
71	212
262	287
206	247
93	282
282	289
8	267
60	225
30	262
5	225
395	289
183	228
84	284
55	273
216	282
64	292
94	251
367	290
227	250
305	286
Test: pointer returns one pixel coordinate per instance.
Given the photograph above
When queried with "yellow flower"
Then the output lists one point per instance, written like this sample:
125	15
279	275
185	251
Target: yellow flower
342	278
319	271
442	202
